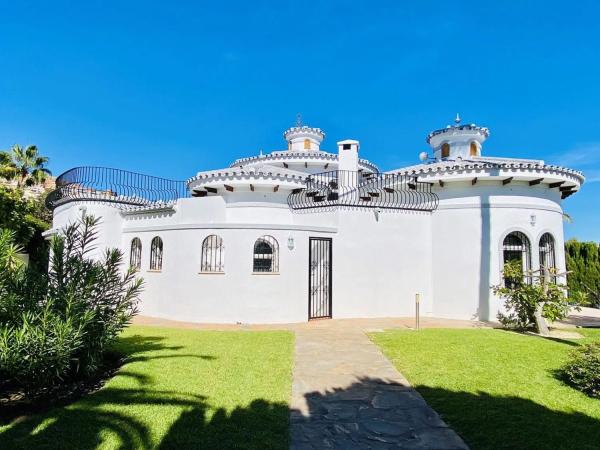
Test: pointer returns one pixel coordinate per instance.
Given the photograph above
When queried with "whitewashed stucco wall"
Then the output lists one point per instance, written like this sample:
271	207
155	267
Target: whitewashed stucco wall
468	230
380	259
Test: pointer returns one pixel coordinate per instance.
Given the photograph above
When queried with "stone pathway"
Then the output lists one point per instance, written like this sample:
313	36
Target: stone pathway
347	395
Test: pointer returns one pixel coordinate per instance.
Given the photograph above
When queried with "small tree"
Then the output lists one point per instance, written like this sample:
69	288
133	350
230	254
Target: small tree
532	296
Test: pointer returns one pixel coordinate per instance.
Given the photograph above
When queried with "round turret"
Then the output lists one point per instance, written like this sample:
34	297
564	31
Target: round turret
457	140
303	138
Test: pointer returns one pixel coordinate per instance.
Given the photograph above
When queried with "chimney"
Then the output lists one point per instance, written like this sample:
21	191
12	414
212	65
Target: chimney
348	155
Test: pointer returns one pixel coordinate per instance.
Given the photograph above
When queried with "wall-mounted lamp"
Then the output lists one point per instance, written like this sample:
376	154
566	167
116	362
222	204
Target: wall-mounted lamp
532	220
290	242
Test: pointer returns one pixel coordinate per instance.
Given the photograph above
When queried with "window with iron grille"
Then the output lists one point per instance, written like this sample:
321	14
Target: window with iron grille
213	254
547	254
516	247
135	254
156	253
266	255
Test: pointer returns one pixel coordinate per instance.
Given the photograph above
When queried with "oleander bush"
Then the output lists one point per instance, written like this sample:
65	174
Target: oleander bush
39	351
58	325
583	369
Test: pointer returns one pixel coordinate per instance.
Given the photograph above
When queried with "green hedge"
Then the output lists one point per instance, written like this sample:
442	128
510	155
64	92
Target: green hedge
583	261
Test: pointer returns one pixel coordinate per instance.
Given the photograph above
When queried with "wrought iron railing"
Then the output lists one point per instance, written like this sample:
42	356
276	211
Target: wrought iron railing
364	190
114	186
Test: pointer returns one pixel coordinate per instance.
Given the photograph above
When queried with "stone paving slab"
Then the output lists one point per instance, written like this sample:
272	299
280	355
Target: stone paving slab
347	395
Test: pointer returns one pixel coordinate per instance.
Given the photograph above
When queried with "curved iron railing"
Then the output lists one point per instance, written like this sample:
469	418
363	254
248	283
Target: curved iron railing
364	190
122	187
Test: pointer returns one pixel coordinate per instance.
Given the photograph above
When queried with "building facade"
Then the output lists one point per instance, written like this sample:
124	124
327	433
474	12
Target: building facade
302	233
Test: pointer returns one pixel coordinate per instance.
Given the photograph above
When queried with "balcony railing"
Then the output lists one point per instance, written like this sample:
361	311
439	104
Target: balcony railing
363	190
125	188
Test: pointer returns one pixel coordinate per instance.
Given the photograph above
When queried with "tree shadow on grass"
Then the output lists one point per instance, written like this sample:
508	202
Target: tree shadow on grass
82	426
132	345
570	342
334	419
509	422
126	415
261	425
126	350
137	348
375	413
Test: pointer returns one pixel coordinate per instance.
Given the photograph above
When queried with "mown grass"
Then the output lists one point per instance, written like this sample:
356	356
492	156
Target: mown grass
498	389
180	389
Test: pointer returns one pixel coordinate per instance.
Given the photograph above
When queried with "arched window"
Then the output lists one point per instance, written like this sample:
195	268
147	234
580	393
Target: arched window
213	254
547	255
306	144
135	254
156	253
266	255
473	150
445	150
516	247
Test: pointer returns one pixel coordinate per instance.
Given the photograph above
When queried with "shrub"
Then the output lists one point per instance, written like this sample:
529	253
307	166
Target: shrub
25	217
59	324
583	369
39	352
81	284
523	293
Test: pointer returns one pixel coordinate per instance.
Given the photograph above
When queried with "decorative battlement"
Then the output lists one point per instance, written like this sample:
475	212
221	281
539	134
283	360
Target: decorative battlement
457	140
301	138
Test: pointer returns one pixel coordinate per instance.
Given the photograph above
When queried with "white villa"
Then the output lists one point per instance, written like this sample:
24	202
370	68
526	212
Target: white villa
303	233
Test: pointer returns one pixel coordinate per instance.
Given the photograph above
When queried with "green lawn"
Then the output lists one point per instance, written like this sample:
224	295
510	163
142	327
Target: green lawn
497	389
180	389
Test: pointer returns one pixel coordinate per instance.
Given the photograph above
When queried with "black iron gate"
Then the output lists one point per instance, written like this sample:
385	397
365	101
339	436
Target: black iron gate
319	278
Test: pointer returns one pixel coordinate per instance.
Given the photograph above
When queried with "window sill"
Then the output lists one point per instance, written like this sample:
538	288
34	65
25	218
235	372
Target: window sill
211	273
265	273
154	270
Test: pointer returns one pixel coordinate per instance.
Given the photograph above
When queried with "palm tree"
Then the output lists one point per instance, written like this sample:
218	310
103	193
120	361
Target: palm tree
30	165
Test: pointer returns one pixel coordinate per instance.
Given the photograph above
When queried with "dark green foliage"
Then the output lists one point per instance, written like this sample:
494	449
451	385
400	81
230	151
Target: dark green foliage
8	170
28	220
38	351
25	165
583	261
583	369
523	293
59	324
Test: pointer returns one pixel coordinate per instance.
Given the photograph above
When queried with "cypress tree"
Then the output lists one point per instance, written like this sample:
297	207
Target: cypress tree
583	261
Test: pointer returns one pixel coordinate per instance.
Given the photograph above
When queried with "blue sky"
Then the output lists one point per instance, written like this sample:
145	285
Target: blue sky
170	88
